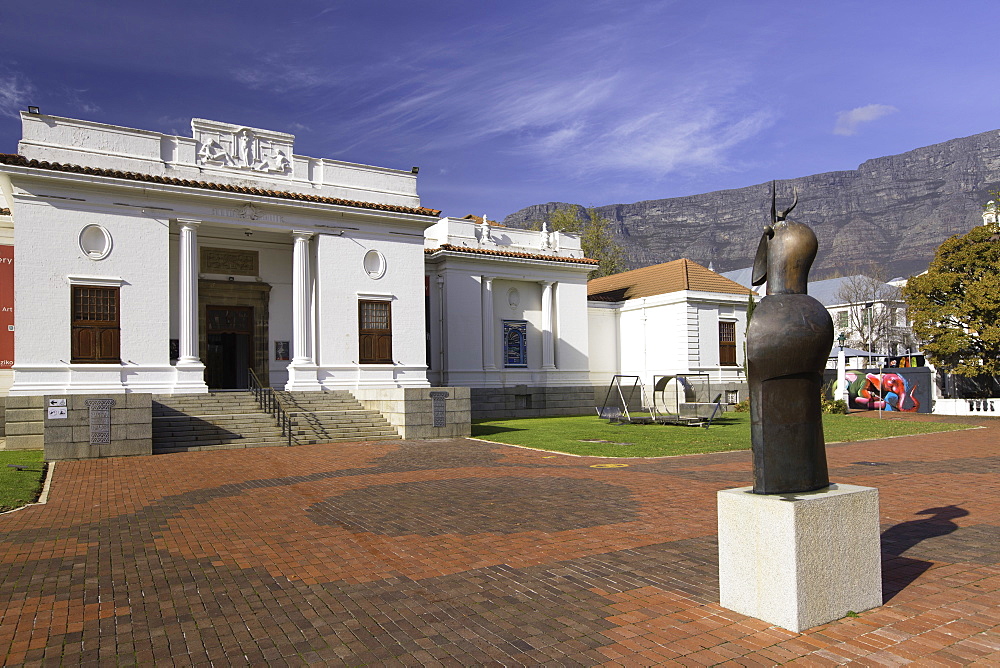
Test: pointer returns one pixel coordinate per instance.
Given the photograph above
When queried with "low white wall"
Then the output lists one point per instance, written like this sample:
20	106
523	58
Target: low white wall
984	407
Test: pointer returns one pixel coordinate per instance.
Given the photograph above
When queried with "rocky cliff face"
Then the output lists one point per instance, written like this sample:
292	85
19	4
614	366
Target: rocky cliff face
893	211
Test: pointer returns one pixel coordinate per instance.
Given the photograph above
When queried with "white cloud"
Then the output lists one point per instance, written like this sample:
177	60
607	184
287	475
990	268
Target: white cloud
848	121
575	101
14	93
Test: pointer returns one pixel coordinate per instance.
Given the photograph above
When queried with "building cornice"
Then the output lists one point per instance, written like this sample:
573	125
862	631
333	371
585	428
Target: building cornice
448	249
20	161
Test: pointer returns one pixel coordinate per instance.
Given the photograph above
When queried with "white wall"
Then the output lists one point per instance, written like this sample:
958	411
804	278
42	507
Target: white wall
342	281
675	333
48	253
462	305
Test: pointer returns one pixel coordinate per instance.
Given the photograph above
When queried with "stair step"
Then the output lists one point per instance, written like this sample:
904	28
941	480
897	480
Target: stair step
191	423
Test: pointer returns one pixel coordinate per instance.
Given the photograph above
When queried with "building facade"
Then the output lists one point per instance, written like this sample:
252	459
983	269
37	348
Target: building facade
506	317
675	318
165	264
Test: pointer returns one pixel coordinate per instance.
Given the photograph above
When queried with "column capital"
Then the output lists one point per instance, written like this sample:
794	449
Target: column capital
189	223
546	284
488	280
305	235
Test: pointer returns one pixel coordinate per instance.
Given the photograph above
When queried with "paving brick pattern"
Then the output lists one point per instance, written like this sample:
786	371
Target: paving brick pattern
469	553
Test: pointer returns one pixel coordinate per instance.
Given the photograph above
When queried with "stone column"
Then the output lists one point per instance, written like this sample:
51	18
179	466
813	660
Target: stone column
188	292
301	299
548	346
302	371
489	327
190	371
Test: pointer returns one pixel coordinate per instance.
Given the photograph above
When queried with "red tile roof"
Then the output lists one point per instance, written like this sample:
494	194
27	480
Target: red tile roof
527	256
660	279
21	161
479	220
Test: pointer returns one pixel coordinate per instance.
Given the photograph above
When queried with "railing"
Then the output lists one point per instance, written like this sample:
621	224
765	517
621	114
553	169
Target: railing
268	403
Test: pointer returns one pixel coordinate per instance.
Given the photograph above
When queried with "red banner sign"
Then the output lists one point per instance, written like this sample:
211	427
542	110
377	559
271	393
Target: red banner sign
6	307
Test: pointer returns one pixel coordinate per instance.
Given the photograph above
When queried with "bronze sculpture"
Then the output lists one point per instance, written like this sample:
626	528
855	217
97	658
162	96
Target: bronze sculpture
788	342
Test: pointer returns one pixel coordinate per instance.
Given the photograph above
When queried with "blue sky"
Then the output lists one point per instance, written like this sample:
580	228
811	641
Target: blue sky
507	104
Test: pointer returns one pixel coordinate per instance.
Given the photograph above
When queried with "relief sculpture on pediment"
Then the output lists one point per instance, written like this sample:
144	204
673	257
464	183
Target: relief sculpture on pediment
224	145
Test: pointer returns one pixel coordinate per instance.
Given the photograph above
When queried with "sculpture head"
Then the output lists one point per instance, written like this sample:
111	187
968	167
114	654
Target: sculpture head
785	253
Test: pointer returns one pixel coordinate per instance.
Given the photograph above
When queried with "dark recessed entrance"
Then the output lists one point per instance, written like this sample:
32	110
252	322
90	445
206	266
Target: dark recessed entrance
230	346
238	322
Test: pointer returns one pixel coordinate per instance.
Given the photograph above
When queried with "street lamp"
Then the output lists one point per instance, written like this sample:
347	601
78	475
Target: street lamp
842	371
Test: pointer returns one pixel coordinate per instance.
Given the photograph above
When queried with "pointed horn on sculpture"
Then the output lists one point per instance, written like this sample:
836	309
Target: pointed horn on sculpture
795	200
774	215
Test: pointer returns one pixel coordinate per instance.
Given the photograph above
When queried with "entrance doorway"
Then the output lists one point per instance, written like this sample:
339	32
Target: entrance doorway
230	340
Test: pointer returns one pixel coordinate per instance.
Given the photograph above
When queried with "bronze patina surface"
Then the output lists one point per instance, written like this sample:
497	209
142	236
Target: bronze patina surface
788	342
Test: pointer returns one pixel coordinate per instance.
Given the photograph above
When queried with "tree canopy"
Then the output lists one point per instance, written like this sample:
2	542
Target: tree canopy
596	237
955	306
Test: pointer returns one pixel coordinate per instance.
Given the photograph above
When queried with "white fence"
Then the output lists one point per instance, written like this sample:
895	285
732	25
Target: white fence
967	407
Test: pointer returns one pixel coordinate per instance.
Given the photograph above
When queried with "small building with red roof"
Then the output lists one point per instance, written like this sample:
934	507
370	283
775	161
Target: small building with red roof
672	318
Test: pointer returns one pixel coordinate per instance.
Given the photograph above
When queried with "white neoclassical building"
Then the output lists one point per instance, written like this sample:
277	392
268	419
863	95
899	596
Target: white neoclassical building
166	264
507	317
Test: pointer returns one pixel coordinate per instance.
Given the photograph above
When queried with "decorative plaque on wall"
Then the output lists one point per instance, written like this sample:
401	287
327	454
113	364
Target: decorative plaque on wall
229	261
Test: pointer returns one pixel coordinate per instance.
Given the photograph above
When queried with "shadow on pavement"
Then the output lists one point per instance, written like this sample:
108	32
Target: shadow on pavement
899	571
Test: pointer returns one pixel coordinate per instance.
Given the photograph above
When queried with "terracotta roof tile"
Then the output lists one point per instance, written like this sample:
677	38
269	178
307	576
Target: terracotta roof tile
479	220
527	256
660	279
20	160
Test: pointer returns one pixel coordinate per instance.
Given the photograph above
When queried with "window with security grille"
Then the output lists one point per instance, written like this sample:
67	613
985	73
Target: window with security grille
375	332
727	344
95	325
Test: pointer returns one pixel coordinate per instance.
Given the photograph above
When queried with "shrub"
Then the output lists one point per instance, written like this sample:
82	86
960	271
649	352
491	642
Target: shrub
837	406
743	406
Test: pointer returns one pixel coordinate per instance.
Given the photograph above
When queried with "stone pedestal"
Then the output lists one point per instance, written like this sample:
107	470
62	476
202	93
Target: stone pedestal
303	378
189	378
799	560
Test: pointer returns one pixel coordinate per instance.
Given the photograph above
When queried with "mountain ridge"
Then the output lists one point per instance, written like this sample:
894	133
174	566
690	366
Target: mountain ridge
893	211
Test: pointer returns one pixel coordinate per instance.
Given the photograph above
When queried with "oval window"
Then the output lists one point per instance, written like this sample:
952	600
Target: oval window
374	264
95	242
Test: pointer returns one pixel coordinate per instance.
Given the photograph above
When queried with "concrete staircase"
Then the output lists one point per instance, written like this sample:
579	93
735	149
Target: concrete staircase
213	421
331	417
227	420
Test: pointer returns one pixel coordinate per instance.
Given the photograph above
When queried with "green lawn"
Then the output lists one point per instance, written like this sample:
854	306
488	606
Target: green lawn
18	488
729	432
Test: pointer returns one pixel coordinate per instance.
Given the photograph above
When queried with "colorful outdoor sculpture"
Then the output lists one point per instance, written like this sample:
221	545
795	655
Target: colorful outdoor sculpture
788	342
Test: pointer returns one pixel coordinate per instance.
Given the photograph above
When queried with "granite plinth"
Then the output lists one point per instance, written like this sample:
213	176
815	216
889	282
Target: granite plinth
799	560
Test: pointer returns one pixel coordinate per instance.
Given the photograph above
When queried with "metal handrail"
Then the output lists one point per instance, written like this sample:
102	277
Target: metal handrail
268	403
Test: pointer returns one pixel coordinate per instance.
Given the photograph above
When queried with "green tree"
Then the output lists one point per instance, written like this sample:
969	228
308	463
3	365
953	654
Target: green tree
955	306
596	237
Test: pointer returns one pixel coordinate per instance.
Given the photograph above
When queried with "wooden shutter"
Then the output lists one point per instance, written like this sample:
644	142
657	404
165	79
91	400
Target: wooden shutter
727	344
375	332
95	325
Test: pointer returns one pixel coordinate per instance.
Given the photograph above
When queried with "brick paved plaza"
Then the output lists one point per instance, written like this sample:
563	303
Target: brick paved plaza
470	553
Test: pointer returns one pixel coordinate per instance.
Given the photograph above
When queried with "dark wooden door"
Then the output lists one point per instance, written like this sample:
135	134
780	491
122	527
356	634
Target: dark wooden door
375	332
229	335
95	329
